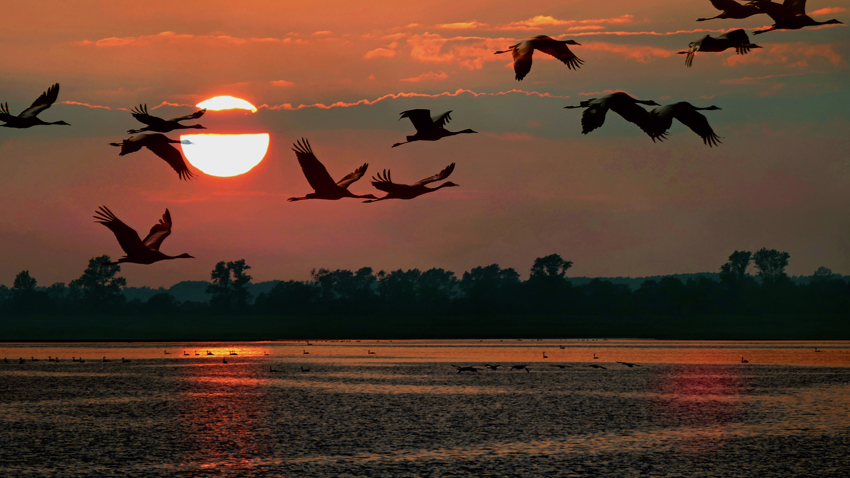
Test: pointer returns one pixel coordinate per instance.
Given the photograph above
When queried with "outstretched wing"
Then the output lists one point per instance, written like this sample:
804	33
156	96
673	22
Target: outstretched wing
420	118
171	156
737	37
560	51
141	114
522	53
42	102
633	113
159	232
725	5
386	184
437	177
5	116
441	120
195	115
314	170
352	177
795	7
126	235
593	117
699	125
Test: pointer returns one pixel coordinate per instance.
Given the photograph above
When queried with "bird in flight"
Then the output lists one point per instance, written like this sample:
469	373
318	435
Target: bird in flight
661	119
29	117
733	10
319	179
161	146
523	51
621	103
410	191
136	250
789	15
159	125
736	39
429	128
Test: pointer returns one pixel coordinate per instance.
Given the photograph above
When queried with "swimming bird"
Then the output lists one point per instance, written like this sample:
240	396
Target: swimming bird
305	352
733	10
123	360
744	361
519	367
160	145
29	116
619	102
661	119
305	370
429	128
790	15
5	360
736	39
185	353
595	357
523	51
104	359
233	352
224	360
597	366
630	365
369	352
410	191
319	179
138	251
165	352
210	353
816	349
81	360
33	359
544	355
159	125
465	369
273	370
20	360
492	367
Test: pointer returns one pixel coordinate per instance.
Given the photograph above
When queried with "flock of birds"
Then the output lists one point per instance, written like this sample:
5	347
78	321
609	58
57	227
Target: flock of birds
789	15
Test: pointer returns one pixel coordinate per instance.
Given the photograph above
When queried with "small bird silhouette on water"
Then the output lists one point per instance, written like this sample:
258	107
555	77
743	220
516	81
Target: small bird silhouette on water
630	365
429	128
523	51
744	361
465	369
160	145
319	179
597	366
305	370
160	125
29	117
410	191
138	251
492	367
736	39
519	367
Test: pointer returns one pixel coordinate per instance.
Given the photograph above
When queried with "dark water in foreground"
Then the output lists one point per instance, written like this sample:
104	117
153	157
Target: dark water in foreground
688	409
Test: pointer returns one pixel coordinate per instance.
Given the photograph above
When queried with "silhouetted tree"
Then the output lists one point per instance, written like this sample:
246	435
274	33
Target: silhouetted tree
24	298
398	290
735	268
547	287
822	274
98	288
346	291
771	264
491	289
229	288
436	289
161	304
288	298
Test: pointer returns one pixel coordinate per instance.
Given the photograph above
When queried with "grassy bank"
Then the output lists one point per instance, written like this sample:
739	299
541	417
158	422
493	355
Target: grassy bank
224	328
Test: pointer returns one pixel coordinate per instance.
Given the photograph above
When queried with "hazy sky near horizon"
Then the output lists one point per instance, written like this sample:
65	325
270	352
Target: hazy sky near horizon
339	73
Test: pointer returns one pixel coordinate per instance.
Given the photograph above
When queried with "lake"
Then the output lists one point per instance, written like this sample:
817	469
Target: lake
396	409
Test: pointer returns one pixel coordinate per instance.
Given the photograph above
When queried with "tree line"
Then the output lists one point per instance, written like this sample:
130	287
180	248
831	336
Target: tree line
488	290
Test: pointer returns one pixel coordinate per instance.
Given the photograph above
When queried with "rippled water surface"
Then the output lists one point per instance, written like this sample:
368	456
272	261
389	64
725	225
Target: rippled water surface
335	409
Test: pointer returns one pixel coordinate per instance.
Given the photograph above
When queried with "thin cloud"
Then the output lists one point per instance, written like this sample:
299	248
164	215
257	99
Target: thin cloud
540	21
828	11
471	25
597	93
172	37
388	52
343	104
426	76
282	83
755	80
638	53
322	33
792	54
87	105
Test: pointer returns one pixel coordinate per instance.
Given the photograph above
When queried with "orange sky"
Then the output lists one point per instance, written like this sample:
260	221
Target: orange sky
613	202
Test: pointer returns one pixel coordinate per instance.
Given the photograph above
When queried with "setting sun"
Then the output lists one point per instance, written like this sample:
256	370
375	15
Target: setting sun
226	103
225	155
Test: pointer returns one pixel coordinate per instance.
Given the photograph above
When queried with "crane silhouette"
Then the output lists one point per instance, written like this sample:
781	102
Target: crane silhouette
519	367
524	50
465	369
319	179
733	10
736	39
410	191
619	102
138	251
429	128
160	145
29	117
661	119
159	125
789	15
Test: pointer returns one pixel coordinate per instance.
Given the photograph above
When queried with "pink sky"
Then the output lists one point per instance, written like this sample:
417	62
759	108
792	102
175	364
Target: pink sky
613	202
